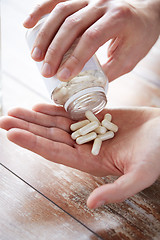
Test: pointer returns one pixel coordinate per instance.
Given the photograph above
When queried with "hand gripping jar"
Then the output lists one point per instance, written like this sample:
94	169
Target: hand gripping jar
86	91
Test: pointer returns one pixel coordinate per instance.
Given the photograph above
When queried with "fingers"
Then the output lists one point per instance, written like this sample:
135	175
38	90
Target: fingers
53	151
41	119
69	20
123	188
51	110
39	11
73	26
95	36
52	133
48	31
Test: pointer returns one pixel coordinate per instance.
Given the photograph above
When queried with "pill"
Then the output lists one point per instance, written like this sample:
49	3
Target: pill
91	129
91	117
109	125
108	117
87	138
106	136
96	146
75	134
88	128
78	125
100	130
63	91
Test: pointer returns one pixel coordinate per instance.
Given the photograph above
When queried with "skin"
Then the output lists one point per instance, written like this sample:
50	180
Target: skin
133	154
132	26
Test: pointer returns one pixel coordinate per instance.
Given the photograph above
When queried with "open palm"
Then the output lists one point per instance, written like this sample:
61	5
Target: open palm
133	154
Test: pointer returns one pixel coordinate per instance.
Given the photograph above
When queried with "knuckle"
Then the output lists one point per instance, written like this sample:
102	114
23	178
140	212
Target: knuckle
72	21
92	34
52	51
74	59
61	7
50	132
123	11
42	34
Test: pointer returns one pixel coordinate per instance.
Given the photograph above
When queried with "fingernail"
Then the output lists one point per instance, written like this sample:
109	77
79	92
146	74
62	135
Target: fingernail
37	53
99	204
27	20
64	74
46	69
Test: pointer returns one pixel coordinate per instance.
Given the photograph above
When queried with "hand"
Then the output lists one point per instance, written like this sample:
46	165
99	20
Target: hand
133	154
133	27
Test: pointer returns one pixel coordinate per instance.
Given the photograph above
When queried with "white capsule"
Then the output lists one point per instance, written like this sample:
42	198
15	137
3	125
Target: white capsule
87	138
78	125
91	117
106	136
63	90
110	126
75	134
96	146
108	117
88	128
100	130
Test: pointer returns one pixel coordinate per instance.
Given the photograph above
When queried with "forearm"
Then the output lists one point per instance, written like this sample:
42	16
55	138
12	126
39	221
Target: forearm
154	8
154	4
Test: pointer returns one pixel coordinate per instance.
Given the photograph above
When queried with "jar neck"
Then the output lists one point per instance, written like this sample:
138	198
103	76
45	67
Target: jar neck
94	101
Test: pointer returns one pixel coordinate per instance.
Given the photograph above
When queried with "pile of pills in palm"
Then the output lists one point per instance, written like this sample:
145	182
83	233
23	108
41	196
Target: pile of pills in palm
92	129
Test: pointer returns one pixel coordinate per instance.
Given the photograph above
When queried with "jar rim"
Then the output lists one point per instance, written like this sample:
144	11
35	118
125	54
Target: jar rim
93	101
81	93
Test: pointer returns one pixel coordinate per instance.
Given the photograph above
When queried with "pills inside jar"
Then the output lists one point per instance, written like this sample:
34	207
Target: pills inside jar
84	80
92	129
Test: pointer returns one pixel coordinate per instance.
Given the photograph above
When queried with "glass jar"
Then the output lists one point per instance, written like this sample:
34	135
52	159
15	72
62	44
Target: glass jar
86	91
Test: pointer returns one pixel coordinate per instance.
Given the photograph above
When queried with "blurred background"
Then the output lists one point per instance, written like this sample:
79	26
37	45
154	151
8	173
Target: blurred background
21	82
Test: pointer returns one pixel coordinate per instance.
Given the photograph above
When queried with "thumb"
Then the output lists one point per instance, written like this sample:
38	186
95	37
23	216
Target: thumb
123	188
118	64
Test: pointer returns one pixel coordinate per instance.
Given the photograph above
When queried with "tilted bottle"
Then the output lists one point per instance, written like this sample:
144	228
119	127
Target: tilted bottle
86	91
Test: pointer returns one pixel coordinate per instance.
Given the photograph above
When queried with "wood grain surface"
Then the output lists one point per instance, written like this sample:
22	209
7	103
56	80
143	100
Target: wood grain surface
136	218
27	214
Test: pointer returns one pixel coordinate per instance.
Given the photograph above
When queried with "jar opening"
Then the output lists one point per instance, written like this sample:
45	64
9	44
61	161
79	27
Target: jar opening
94	101
81	93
